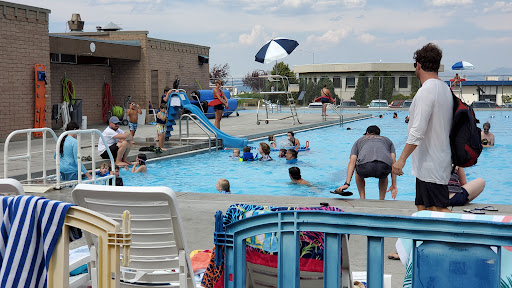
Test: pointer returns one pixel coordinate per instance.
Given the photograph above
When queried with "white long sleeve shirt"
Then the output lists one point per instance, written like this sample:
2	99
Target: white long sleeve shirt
429	126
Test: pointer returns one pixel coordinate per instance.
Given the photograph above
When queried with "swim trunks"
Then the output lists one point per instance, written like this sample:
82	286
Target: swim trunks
132	126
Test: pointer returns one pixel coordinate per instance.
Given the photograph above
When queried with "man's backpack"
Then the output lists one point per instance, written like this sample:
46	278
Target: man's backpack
465	136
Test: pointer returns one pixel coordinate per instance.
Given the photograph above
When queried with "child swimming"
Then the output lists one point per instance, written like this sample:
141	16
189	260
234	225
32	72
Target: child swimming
141	163
223	186
236	153
272	141
282	153
265	152
247	156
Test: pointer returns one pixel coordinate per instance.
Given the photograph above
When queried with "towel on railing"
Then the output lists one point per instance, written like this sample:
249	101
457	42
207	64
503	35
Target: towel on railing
30	228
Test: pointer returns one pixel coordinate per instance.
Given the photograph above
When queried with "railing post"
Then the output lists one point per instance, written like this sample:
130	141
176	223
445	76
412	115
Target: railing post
29	155
288	272
332	260
375	262
78	156
44	157
93	156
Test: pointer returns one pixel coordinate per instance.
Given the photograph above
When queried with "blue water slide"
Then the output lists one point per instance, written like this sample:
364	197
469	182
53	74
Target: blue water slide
227	140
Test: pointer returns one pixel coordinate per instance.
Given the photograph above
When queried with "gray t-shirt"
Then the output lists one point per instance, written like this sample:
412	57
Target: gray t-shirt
373	147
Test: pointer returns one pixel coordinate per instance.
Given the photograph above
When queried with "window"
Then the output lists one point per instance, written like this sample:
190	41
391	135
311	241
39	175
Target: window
403	82
350	82
393	82
336	81
314	79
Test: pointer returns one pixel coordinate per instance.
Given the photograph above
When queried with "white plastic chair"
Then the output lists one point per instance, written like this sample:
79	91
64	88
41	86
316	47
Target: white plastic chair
158	252
11	187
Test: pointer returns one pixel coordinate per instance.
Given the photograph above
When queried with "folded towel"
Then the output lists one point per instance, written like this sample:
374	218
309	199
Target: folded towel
30	228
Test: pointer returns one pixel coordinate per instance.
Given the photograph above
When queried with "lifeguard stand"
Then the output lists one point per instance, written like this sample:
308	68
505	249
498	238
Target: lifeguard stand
456	86
277	81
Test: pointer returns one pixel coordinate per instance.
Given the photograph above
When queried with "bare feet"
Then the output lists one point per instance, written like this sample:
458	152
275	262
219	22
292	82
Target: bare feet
163	149
393	256
121	164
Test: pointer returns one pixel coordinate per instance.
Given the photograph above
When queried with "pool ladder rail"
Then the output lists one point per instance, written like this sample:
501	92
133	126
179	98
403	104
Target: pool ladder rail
210	133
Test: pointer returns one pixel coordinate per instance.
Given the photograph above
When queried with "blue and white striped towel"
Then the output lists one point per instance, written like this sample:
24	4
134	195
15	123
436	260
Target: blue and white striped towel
30	228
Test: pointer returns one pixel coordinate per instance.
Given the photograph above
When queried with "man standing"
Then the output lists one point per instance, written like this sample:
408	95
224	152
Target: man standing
428	141
372	156
117	141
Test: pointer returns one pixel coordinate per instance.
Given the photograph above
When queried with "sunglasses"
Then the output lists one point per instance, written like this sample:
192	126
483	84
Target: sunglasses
415	64
486	129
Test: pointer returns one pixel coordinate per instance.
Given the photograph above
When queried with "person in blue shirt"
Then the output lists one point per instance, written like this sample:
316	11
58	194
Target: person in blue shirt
68	156
247	156
291	156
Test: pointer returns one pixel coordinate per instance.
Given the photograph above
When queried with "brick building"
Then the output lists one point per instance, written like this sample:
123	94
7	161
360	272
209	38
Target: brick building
130	61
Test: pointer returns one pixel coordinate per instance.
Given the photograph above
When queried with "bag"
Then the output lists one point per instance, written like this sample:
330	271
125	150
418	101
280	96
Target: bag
465	136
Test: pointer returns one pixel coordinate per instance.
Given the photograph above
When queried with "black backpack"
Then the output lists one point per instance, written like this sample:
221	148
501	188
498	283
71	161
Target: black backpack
465	136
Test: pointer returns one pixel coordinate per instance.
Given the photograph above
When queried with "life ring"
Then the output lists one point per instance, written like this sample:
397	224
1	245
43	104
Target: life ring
307	144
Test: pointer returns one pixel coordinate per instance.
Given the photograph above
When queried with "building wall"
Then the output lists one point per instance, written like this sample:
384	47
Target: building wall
24	42
89	83
470	94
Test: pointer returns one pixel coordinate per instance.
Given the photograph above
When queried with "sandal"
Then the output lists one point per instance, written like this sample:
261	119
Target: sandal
474	211
488	208
343	193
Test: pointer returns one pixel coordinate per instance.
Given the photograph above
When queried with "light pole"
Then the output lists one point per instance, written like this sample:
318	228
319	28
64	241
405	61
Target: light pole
313	53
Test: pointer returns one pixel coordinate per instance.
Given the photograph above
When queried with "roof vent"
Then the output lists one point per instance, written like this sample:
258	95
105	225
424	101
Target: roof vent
111	27
98	29
76	24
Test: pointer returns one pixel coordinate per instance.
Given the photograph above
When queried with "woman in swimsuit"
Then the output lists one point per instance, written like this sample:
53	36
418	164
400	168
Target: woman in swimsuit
325	98
218	103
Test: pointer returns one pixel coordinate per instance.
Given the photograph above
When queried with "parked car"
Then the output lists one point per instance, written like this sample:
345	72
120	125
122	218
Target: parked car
378	103
348	104
508	105
396	104
484	104
407	104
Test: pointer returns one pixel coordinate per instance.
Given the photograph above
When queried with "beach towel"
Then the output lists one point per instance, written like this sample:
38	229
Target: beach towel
404	246
262	249
30	228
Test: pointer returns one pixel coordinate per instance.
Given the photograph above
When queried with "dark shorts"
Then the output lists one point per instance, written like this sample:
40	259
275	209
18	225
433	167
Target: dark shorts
218	107
376	169
460	199
113	148
432	194
325	100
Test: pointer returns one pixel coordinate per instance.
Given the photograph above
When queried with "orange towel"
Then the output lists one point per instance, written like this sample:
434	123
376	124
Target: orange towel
200	259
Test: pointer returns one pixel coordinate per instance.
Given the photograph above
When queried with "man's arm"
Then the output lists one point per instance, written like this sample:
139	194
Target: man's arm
492	140
399	165
393	187
166	98
350	172
138	109
122	136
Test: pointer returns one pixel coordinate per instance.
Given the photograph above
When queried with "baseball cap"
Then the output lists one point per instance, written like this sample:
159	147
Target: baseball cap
114	120
373	129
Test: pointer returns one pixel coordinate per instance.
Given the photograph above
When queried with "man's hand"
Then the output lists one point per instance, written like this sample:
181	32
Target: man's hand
397	167
393	190
341	188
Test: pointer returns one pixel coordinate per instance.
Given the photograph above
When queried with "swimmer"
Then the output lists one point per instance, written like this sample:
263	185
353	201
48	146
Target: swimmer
406	119
282	153
223	186
395	116
292	140
236	153
265	152
348	128
380	116
486	136
272	141
296	177
247	156
141	162
291	156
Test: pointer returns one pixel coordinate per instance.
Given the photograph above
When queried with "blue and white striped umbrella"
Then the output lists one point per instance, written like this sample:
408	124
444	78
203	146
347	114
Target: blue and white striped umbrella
275	49
462	65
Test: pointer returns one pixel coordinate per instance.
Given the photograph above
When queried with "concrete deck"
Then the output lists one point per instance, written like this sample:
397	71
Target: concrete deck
197	209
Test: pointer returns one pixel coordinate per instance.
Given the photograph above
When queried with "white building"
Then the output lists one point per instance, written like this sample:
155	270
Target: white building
345	76
488	90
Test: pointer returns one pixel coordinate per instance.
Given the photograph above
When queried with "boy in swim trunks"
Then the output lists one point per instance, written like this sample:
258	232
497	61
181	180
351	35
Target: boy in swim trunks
161	121
133	117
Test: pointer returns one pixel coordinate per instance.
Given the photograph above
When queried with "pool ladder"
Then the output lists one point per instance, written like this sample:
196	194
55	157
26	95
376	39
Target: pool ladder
210	133
336	110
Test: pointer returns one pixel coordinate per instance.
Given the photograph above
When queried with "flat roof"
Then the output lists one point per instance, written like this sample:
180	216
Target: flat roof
356	67
484	83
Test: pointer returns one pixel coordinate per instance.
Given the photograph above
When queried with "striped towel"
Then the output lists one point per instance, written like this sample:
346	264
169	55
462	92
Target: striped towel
30	228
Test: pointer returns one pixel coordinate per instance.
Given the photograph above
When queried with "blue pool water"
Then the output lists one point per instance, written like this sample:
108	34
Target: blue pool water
326	164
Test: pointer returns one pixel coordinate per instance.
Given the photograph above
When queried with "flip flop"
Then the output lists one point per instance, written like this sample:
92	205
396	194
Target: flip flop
393	256
488	208
343	193
474	211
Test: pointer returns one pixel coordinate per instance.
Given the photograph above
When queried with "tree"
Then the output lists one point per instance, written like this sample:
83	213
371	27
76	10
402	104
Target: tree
373	88
253	81
310	92
218	72
387	87
362	85
415	85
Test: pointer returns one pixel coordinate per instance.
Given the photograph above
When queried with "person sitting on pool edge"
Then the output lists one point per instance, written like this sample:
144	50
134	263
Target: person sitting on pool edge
294	142
247	156
282	153
265	152
223	186
372	156
291	156
461	191
296	177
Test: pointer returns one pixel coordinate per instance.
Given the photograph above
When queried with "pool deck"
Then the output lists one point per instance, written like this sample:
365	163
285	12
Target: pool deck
198	209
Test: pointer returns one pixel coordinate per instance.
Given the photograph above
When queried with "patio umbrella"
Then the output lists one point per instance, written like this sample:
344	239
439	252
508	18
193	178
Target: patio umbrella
275	49
462	65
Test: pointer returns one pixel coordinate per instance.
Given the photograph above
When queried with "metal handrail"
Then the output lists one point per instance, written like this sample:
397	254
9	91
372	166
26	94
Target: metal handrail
93	156
28	156
335	109
191	116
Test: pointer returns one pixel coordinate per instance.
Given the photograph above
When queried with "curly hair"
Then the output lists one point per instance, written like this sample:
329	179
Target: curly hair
429	56
265	148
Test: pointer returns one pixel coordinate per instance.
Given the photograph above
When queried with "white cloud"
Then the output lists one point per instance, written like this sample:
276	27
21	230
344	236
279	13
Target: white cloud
249	39
330	37
439	3
411	43
366	38
500	6
354	3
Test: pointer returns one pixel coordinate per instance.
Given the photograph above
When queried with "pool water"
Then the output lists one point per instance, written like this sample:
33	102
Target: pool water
325	165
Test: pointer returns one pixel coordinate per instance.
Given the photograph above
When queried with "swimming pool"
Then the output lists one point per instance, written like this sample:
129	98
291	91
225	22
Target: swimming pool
326	164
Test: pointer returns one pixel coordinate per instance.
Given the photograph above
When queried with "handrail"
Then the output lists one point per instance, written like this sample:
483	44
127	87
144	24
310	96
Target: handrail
28	156
375	227
93	155
191	116
335	109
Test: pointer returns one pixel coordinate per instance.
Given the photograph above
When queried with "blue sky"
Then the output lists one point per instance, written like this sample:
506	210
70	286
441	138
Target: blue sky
330	31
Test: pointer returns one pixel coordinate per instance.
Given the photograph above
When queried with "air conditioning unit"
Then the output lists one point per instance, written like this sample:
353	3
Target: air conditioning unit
202	59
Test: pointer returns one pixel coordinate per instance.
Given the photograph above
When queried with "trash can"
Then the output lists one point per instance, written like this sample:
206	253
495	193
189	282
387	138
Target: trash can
142	117
84	123
75	111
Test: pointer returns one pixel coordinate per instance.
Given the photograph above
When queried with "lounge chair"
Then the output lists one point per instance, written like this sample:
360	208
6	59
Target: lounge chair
158	253
11	187
262	268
